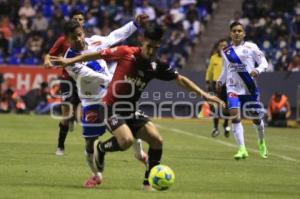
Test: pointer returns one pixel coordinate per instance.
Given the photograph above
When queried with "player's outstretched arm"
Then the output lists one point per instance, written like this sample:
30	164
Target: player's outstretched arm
60	61
125	31
191	86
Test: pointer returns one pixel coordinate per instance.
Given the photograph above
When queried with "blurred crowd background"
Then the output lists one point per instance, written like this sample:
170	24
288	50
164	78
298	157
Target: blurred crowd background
29	28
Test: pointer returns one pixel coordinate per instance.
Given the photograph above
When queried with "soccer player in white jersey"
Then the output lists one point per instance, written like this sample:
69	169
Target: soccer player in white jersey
92	79
239	74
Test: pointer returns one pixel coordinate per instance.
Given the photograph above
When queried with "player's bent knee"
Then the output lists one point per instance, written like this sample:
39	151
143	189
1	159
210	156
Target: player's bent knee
157	142
126	142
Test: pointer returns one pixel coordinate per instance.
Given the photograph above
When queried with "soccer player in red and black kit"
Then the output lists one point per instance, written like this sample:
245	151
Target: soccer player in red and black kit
58	49
136	67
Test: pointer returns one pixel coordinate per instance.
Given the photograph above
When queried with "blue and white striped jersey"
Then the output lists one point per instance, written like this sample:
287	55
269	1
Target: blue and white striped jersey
238	62
92	77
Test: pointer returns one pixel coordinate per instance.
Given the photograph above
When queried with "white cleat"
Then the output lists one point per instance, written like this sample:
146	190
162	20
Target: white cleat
59	152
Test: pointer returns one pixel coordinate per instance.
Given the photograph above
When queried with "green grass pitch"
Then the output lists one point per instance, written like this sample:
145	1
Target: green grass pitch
204	166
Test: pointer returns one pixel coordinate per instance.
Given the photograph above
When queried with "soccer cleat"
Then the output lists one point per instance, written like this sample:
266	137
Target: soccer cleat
142	157
263	151
93	181
98	156
241	154
59	151
226	131
147	187
215	132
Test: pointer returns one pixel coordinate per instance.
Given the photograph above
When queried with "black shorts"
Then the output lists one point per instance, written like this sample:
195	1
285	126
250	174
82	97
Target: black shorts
223	94
134	120
69	91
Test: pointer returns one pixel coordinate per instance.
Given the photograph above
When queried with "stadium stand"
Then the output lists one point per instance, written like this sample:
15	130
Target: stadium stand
29	27
275	27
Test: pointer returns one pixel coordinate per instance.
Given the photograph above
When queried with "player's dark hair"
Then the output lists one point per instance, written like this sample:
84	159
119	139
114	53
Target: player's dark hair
216	45
70	27
153	31
234	24
221	40
75	12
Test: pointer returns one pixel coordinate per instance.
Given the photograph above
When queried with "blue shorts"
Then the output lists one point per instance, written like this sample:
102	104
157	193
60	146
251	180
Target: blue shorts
249	102
92	120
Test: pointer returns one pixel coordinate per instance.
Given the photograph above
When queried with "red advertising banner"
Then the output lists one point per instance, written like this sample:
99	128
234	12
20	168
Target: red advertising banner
27	77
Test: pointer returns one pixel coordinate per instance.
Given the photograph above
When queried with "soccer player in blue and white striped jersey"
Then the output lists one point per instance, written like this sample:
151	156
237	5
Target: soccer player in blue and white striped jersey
91	79
239	74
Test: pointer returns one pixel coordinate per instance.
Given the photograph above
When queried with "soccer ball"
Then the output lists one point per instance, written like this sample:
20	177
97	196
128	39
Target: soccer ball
161	177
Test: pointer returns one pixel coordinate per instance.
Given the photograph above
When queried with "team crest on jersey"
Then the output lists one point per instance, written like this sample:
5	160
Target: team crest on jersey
245	51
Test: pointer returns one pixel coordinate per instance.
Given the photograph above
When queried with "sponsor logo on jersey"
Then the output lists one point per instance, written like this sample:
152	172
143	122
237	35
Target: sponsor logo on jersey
137	81
96	43
91	116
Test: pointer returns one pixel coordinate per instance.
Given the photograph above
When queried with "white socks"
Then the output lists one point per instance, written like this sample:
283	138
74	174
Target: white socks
238	132
260	129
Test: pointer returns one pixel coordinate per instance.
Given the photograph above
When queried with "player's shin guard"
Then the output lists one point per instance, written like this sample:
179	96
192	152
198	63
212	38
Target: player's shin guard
110	145
63	131
154	159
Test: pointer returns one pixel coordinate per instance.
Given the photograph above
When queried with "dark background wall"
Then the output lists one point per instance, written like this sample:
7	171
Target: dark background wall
160	91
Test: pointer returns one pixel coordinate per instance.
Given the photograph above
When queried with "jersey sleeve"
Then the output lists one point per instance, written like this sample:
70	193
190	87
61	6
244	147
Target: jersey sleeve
80	71
114	54
58	47
260	59
223	75
119	35
165	71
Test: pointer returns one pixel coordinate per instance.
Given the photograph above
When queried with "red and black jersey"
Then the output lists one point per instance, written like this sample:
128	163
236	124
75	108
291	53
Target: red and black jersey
59	48
133	73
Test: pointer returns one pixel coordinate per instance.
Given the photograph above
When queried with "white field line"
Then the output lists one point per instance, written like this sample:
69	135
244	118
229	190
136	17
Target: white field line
223	142
292	147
